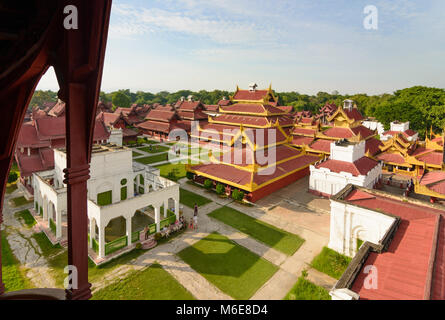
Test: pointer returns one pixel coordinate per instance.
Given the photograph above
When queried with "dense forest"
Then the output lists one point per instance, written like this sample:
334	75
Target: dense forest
424	107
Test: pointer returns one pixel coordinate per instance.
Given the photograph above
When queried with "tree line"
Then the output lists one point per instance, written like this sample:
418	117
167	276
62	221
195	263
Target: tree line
424	107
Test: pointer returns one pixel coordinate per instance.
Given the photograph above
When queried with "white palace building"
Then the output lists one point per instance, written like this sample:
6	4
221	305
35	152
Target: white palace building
118	190
346	165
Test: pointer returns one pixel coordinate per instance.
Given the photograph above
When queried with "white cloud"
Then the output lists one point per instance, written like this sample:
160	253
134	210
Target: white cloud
131	21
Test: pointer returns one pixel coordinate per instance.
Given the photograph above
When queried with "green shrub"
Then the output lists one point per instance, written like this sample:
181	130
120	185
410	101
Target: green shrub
52	226
158	236
208	184
237	195
141	141
190	175
138	246
13	176
220	189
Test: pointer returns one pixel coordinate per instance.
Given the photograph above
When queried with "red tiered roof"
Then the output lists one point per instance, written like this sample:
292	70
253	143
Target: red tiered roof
353	113
300	140
300	131
345	133
245	156
434	158
408	133
373	146
322	145
361	167
58	109
43	134
250	95
242	177
161	115
252	109
391	157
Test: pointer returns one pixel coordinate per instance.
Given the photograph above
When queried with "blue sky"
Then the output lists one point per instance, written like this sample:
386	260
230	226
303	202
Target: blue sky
304	45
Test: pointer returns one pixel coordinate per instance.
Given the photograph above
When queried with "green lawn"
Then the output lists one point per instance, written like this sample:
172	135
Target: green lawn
13	278
20	201
154	149
189	199
136	154
10	188
26	217
278	239
232	268
47	248
306	290
60	261
153	283
331	262
151	141
168	168
153	159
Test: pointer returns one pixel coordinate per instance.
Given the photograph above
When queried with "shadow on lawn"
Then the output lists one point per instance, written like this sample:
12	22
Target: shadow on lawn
218	255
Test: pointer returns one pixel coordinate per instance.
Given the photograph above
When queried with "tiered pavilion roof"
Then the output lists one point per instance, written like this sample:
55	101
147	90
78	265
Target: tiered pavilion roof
257	158
309	135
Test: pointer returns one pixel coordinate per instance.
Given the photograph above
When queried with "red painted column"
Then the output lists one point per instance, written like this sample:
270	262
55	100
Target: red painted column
76	176
4	170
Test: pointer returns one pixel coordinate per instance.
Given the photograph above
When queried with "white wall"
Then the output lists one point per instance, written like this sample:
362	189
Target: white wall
116	137
399	126
348	153
349	222
374	125
327	182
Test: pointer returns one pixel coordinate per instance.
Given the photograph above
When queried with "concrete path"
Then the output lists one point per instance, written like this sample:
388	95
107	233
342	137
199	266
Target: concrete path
276	288
24	247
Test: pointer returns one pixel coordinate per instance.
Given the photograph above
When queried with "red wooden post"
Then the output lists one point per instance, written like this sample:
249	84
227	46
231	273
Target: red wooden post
79	67
76	177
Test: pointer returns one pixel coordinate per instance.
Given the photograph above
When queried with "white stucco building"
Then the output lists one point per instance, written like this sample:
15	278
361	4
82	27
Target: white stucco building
400	127
117	188
347	165
396	245
373	124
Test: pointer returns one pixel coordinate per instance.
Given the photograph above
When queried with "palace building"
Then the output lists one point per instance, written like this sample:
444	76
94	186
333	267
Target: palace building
159	122
118	122
410	158
190	110
252	133
346	124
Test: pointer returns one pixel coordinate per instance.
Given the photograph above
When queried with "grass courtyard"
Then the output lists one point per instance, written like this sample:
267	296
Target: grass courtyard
153	283
154	149
232	268
20	201
153	159
306	290
331	262
13	277
189	199
26	217
168	168
273	237
11	187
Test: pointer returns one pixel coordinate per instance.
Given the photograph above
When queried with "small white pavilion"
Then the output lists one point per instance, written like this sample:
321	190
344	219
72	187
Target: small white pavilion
118	188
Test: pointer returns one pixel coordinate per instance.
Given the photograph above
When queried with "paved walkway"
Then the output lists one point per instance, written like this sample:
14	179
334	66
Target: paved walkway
290	267
24	247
